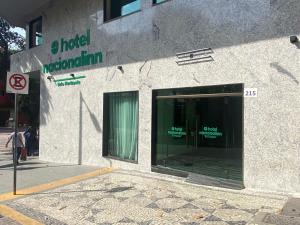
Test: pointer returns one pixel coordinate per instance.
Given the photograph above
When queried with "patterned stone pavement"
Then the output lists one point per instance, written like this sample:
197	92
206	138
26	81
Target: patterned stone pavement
129	198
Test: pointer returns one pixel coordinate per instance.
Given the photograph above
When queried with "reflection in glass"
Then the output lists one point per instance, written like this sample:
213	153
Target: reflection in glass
200	133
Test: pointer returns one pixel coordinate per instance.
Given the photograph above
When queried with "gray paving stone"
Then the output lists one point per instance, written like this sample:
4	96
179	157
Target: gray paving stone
252	211
122	199
145	222
281	220
152	206
212	218
190	223
168	210
209	210
91	219
126	220
189	199
96	211
226	206
190	206
236	222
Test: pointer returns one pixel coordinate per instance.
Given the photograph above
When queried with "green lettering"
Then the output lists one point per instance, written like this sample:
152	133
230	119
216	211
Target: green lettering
91	59
83	61
88	35
71	63
98	57
65	65
78	62
71	44
51	67
46	69
83	41
63	45
77	41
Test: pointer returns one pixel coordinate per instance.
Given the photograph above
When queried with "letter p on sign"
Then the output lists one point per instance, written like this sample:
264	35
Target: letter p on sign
17	83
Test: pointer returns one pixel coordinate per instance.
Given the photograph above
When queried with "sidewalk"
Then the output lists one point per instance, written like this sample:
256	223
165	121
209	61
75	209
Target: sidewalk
33	171
131	198
121	197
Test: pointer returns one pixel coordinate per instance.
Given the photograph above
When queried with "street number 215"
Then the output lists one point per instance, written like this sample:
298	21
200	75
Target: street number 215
250	92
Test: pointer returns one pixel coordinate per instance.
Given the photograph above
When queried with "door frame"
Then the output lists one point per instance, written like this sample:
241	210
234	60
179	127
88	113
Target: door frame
155	96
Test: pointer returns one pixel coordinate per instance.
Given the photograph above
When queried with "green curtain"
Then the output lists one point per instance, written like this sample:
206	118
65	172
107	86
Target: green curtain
123	125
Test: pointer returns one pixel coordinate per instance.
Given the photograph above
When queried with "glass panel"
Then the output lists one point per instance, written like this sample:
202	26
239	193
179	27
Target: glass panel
201	134
123	125
114	9
36	36
131	7
159	1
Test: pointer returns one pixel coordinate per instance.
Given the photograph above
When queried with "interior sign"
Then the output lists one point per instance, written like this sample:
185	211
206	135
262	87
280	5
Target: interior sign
250	92
176	132
210	132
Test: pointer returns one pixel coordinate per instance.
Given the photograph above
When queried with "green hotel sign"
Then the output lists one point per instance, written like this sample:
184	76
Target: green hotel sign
210	132
176	132
84	59
69	81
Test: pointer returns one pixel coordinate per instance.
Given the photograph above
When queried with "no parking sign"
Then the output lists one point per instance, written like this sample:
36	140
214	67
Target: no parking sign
17	83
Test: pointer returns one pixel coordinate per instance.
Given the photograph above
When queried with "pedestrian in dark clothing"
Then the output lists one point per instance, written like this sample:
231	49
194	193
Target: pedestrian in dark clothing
29	141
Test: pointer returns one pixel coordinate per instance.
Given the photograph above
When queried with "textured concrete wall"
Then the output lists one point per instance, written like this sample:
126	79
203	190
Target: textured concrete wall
250	39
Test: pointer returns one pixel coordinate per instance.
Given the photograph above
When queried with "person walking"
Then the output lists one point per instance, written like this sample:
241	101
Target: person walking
29	141
20	144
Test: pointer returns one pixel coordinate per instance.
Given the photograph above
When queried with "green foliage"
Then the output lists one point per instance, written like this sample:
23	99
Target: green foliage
8	38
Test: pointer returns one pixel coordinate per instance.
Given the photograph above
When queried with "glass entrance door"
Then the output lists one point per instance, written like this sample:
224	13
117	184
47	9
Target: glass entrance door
200	132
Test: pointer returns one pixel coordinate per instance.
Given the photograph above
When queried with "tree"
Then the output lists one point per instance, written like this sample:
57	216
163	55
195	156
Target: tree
7	39
10	43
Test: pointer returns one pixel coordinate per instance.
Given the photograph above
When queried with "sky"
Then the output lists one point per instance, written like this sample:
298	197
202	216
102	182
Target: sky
19	30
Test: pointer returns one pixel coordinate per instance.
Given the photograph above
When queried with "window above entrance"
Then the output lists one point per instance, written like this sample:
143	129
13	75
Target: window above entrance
35	33
116	8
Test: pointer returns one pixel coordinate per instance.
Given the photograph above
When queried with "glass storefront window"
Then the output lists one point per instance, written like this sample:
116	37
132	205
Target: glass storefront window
121	125
199	130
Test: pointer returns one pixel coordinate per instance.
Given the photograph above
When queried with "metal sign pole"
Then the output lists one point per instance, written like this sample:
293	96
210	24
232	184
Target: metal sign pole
15	153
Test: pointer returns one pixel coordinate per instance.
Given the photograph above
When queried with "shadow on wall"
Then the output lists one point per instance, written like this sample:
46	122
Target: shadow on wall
45	102
173	27
283	71
94	121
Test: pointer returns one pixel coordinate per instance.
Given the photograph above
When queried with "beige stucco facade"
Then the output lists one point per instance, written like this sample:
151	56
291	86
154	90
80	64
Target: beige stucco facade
250	41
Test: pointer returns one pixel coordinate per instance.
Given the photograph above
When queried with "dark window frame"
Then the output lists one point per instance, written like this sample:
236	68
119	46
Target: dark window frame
105	152
154	3
32	37
154	167
106	20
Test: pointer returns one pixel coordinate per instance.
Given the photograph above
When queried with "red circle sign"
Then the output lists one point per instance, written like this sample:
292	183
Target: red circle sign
17	82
